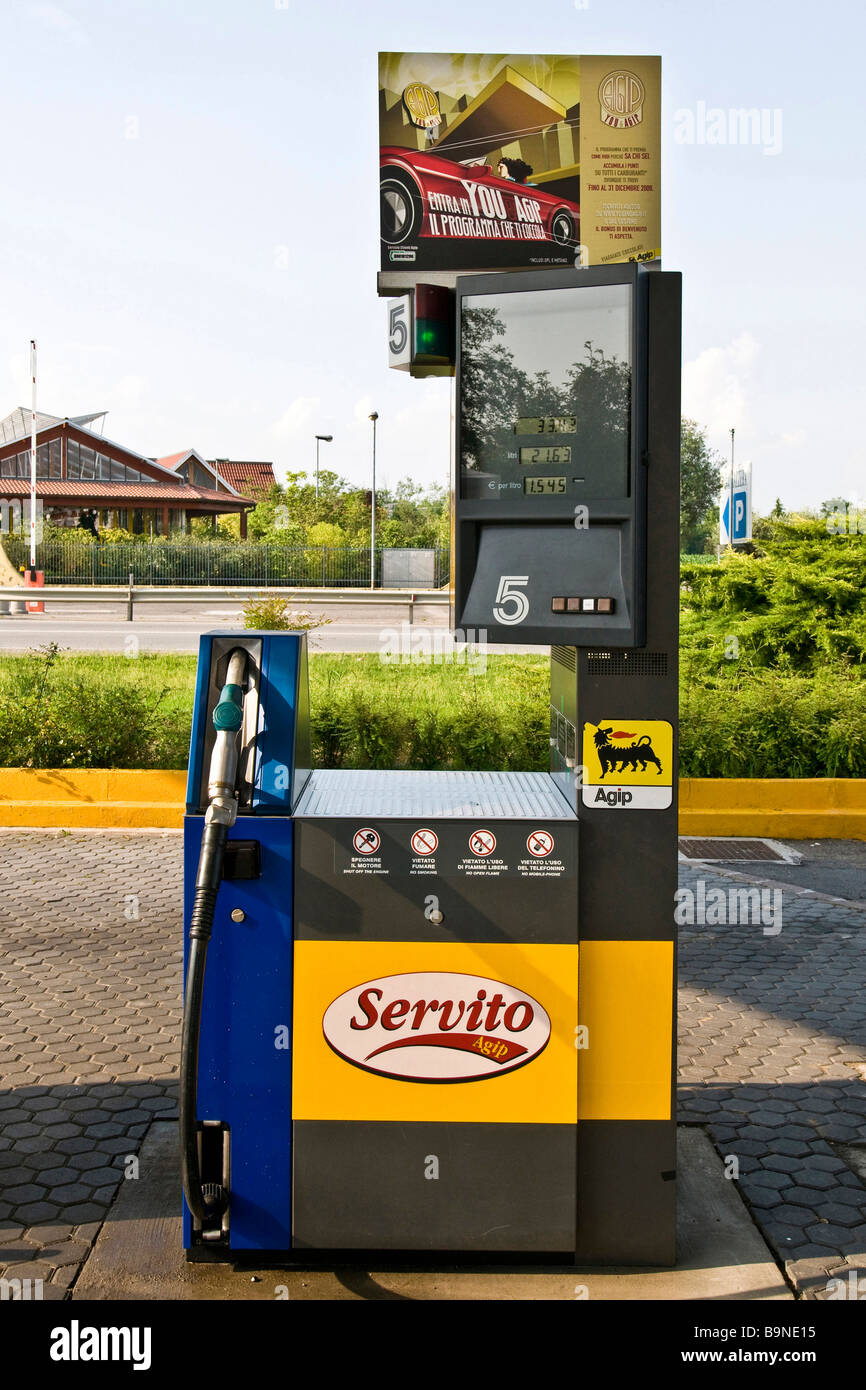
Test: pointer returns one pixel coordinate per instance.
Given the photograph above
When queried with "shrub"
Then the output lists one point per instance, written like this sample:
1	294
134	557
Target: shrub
274	615
55	716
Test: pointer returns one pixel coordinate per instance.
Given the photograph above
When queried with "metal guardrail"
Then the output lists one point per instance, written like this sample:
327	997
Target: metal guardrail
132	594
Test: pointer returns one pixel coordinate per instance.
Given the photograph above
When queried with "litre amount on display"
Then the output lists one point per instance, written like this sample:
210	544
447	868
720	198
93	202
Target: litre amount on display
546	453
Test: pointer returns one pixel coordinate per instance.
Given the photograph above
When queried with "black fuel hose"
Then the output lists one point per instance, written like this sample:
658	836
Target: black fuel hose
205	1206
208	1201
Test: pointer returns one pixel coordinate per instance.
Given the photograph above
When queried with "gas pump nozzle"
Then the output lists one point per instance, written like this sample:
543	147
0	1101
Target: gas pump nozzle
227	720
207	1202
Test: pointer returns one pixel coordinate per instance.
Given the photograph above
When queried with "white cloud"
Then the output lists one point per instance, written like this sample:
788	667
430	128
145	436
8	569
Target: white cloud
300	419
716	385
60	21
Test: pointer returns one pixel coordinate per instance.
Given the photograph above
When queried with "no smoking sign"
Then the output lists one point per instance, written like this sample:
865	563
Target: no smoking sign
425	841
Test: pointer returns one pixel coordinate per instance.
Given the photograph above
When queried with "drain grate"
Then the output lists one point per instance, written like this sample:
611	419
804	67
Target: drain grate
713	851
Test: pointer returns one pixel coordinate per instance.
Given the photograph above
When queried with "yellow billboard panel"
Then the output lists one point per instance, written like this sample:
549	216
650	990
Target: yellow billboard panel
508	161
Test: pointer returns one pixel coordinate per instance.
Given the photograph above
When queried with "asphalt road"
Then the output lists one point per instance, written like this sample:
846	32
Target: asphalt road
835	868
351	627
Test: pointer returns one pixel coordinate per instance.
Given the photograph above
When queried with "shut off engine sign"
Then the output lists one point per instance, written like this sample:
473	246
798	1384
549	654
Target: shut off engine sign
436	1026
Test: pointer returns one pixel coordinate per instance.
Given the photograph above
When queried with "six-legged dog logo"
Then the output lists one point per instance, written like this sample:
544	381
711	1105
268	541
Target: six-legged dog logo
612	757
629	763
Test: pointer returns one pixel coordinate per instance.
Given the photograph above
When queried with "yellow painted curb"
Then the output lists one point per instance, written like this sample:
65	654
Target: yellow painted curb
803	808
807	808
89	798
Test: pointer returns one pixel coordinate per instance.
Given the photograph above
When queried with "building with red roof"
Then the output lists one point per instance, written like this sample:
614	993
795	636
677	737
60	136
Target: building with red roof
250	478
79	472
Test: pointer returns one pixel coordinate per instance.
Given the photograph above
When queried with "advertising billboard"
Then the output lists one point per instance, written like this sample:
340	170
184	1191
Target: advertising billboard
516	161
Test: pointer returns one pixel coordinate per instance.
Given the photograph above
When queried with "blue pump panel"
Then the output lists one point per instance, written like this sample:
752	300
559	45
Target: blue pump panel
277	720
245	1059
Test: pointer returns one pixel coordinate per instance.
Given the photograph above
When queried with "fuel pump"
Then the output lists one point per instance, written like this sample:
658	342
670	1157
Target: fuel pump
439	1010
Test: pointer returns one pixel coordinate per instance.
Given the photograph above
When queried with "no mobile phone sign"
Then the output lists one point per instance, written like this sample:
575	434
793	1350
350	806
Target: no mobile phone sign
540	843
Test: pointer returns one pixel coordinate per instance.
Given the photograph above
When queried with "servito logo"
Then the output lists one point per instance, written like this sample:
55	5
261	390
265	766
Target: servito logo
436	1026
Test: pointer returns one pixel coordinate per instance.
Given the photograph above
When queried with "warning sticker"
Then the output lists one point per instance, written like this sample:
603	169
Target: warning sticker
482	862
628	764
425	841
540	843
540	860
366	858
482	842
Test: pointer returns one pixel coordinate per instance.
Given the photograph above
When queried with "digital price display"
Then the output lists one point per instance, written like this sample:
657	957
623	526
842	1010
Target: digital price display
546	424
546	383
546	453
548	487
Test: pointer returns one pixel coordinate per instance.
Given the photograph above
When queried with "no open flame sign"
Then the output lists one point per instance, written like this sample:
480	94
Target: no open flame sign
482	843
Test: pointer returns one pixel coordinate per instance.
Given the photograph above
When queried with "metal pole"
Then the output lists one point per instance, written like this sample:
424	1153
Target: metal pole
33	461
374	417
327	439
731	501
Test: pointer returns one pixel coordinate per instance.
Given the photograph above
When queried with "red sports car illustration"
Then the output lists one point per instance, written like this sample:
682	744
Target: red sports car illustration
429	198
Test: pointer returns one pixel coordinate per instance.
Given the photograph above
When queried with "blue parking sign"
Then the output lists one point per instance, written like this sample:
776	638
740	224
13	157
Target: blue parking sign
742	529
735	509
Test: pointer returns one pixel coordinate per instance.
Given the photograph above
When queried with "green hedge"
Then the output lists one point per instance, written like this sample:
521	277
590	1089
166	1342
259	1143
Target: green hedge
94	711
798	607
108	711
775	726
366	714
70	710
773	682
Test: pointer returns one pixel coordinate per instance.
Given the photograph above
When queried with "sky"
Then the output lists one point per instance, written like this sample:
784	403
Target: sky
189	223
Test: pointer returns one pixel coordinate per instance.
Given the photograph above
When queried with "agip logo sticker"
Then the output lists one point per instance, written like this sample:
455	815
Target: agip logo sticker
628	764
436	1026
621	95
422	104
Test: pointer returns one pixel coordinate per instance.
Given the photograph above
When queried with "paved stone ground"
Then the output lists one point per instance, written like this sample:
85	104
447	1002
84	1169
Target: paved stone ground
772	1060
772	1049
89	1009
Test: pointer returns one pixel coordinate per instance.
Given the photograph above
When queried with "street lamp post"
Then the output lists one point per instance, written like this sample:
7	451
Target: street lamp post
374	417
327	438
33	462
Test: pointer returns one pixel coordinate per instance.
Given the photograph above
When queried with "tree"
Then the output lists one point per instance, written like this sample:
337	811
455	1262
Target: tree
493	387
700	485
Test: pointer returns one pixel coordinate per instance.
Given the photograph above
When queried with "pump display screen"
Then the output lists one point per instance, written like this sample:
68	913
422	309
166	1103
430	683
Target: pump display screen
547	487
546	424
545	378
546	453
